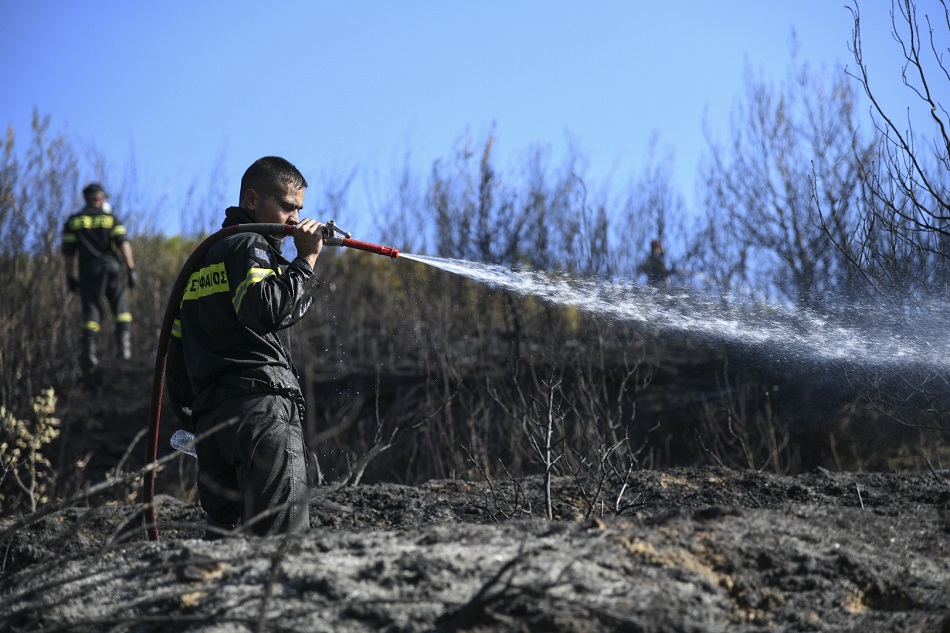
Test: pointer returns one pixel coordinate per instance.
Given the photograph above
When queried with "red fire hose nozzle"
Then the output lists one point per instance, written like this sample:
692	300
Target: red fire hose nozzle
335	236
388	251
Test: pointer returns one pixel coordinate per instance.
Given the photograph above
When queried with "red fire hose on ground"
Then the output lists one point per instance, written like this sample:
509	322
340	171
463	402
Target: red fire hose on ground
333	236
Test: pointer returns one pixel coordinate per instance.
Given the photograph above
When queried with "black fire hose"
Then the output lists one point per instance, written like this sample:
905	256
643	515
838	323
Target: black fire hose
161	356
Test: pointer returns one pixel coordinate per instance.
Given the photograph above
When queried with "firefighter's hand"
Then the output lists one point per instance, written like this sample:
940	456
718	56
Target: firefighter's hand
72	284
133	278
308	238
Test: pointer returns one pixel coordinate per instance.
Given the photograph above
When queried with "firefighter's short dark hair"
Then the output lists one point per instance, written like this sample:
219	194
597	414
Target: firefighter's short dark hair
91	190
267	175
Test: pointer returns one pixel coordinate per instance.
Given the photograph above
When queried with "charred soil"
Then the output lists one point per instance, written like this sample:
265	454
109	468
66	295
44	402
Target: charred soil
678	549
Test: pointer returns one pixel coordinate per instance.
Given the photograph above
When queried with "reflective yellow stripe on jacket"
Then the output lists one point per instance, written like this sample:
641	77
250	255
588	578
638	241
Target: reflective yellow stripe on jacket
254	275
206	281
214	279
94	222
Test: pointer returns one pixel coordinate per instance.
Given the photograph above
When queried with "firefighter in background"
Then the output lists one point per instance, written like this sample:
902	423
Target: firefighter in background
106	267
654	266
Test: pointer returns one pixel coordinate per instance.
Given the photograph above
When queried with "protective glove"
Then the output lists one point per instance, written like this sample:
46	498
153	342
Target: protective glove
133	277
72	284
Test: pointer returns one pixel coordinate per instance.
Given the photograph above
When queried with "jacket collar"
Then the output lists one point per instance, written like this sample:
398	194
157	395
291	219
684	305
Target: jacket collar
239	215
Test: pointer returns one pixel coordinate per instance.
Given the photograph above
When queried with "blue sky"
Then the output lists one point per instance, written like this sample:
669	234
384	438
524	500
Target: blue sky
182	88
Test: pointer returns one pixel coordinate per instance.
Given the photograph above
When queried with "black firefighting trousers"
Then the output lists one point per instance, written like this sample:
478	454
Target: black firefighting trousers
254	469
103	278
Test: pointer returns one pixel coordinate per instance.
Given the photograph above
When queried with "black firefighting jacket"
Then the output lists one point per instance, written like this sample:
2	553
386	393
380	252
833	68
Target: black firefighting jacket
92	232
230	337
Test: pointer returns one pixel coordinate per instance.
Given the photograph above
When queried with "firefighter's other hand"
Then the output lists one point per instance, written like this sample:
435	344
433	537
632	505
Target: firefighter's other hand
133	277
72	284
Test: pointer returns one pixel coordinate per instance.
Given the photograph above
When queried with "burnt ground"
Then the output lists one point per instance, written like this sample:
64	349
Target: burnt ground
686	549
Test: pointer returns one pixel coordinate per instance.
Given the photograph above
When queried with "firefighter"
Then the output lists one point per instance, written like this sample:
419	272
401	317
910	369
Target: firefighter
654	266
229	371
106	268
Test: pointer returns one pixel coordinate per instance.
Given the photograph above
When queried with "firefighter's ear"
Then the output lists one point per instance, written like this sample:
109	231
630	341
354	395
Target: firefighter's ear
251	200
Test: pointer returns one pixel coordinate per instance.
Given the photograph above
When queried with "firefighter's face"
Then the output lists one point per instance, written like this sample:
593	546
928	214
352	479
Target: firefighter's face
282	207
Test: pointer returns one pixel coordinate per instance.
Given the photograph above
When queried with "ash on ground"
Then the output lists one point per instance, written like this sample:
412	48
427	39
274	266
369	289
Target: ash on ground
681	550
